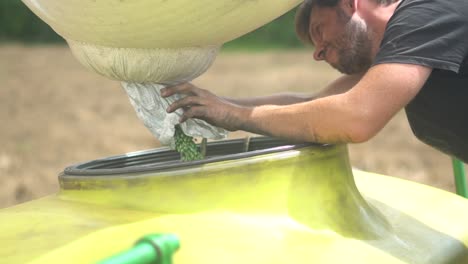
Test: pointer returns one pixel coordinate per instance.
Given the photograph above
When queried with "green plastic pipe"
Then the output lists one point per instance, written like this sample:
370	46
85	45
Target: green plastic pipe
151	249
460	177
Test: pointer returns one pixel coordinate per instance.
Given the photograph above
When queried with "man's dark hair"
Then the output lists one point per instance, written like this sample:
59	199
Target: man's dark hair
305	9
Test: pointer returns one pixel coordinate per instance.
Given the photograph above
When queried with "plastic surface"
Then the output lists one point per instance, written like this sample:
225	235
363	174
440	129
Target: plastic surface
139	254
460	177
151	109
156	248
294	206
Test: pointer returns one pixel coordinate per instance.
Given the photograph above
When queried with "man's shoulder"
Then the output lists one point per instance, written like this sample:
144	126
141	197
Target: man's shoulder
430	33
422	8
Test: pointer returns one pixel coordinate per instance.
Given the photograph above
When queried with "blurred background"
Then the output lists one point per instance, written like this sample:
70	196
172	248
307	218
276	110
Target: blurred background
55	113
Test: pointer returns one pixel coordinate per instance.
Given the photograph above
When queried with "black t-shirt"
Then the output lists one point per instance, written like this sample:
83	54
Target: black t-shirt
434	33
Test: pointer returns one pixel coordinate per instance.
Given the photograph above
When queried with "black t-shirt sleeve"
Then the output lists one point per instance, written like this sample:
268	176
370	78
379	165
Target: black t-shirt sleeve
432	33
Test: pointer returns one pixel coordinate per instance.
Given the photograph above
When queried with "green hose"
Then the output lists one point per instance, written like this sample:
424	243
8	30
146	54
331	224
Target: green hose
151	249
460	177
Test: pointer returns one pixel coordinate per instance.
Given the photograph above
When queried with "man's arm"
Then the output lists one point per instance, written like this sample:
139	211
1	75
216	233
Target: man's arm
340	85
353	116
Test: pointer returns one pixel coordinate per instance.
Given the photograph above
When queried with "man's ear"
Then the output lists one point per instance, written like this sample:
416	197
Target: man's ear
349	5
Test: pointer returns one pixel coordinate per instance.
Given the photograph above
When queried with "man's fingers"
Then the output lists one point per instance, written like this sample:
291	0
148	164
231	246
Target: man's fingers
193	112
185	88
185	102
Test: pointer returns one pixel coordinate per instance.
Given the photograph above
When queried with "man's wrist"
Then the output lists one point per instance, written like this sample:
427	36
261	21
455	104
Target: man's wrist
243	116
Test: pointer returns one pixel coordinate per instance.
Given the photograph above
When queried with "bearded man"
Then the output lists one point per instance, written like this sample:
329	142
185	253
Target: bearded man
394	54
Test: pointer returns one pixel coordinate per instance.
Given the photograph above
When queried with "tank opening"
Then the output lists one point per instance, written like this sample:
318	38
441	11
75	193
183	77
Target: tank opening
162	159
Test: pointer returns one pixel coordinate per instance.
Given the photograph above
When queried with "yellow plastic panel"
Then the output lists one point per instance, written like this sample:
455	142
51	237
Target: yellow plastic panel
224	237
32	229
297	206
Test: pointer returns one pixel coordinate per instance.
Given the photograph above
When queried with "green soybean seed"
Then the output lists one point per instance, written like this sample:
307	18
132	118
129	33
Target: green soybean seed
186	146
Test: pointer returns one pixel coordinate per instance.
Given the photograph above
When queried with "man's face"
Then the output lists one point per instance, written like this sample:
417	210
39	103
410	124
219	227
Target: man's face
341	40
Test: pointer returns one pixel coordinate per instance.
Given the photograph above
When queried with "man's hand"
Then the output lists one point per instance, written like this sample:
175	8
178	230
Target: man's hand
202	104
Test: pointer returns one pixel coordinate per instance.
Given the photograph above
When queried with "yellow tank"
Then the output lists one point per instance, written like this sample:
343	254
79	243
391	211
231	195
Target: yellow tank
264	202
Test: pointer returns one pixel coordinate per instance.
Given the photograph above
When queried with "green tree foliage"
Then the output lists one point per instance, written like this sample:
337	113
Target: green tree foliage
280	33
18	23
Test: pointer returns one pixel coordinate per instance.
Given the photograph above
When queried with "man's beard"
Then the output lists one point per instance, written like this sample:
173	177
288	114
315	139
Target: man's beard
354	49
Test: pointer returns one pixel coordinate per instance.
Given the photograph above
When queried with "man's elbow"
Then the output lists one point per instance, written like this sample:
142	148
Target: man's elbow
362	130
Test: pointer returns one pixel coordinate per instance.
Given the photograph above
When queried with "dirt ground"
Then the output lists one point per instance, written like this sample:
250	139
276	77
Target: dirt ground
55	113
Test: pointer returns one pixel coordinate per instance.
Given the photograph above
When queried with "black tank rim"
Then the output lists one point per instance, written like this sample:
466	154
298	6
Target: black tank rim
164	159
